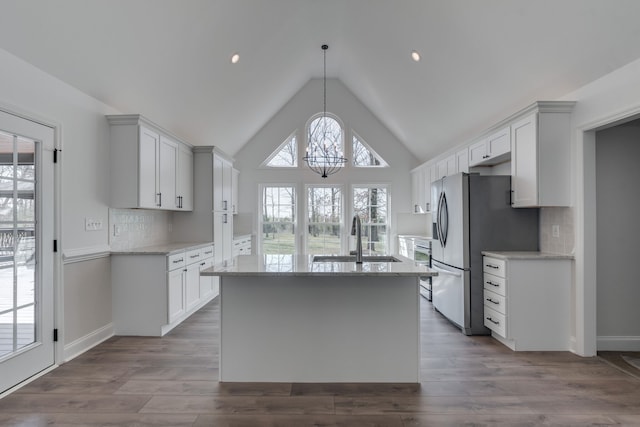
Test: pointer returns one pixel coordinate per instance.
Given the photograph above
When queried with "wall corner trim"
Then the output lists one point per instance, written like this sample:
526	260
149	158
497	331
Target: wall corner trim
92	339
86	254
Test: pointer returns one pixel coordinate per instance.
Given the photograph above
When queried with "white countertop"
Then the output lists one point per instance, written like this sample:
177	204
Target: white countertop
303	265
414	236
525	255
164	249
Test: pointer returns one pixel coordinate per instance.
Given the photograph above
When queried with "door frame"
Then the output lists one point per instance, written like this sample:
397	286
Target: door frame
586	333
58	291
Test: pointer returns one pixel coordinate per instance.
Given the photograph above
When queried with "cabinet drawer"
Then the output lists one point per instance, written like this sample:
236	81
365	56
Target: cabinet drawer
176	261
495	321
495	284
495	301
193	255
206	252
494	266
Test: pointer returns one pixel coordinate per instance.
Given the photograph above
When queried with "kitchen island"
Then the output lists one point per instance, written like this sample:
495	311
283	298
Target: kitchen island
288	318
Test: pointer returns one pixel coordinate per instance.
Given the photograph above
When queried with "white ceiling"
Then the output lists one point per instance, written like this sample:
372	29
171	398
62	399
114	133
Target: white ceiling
482	60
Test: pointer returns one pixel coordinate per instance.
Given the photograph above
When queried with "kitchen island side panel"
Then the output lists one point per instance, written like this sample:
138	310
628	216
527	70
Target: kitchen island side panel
310	329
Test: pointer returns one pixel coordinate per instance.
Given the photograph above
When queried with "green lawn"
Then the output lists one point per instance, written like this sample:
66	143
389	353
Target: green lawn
283	243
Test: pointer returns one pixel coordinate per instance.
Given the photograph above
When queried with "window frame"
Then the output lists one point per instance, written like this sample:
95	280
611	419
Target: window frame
295	219
343	210
343	133
387	223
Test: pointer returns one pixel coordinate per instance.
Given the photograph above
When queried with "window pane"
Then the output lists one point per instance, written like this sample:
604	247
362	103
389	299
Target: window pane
6	333
278	220
278	238
324	219
370	203
287	155
26	327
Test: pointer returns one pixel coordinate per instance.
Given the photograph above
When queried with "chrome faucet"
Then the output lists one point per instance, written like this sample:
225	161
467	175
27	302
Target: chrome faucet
356	230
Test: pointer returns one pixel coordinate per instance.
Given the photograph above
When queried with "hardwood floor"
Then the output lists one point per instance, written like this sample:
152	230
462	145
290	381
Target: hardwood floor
171	381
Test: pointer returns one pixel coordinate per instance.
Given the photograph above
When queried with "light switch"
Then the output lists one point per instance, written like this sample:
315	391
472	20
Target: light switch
91	224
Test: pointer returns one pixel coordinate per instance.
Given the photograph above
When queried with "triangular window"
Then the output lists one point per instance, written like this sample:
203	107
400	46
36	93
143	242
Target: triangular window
286	156
364	156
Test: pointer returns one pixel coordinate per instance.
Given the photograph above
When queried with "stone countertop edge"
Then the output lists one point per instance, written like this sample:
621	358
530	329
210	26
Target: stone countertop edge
415	236
163	249
302	265
242	236
525	255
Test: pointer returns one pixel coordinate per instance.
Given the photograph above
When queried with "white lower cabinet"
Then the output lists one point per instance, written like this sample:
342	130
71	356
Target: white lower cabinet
153	293
527	301
242	245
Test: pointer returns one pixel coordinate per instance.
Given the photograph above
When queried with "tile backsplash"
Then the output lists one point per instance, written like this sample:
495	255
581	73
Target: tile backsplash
133	228
564	241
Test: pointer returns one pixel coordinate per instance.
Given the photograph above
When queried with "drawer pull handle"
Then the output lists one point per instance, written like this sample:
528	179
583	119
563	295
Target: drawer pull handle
208	252
178	260
202	263
493	321
495	302
492	284
194	256
492	266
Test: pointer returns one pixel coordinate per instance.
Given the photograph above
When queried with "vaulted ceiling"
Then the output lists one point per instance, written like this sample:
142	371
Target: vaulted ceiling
170	59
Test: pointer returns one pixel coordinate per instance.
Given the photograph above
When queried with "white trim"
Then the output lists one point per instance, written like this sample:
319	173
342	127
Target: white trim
618	343
287	141
85	254
92	339
587	343
27	381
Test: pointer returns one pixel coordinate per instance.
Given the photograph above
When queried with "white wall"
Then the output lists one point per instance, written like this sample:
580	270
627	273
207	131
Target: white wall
83	137
618	229
354	115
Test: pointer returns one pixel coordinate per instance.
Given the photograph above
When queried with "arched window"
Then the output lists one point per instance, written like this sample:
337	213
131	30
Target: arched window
324	134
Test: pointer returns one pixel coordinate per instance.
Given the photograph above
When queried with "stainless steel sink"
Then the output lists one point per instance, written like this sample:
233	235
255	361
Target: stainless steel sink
352	258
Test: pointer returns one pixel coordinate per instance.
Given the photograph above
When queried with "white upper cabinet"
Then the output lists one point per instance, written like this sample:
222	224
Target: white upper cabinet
447	166
184	179
541	156
420	188
491	150
462	160
146	165
234	190
167	173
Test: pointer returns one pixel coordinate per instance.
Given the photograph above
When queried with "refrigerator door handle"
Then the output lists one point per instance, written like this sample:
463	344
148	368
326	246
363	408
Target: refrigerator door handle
443	219
446	270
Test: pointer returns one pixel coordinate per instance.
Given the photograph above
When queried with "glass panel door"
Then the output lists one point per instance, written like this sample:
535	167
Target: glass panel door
26	269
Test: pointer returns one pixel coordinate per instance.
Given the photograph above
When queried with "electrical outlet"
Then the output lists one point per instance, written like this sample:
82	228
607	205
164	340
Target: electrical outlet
116	230
555	230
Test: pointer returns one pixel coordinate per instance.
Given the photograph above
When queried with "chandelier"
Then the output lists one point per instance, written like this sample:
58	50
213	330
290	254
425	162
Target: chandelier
324	156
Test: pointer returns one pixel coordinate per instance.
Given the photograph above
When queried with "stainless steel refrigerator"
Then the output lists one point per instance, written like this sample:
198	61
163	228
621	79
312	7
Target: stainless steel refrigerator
473	213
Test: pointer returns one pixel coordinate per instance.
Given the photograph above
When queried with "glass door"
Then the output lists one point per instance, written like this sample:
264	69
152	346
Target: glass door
26	249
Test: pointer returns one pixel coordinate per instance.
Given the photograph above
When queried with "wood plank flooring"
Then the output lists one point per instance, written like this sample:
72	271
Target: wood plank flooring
474	381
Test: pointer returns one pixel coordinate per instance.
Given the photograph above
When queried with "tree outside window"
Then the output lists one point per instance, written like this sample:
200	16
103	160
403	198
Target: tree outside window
371	204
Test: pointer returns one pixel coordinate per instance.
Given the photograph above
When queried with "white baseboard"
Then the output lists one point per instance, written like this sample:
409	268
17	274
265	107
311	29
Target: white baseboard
618	343
92	339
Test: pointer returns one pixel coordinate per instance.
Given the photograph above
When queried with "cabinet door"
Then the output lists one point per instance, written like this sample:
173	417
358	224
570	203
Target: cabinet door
176	303
499	143
477	152
222	176
524	162
462	160
206	282
184	179
234	192
222	236
446	166
168	158
192	285
148	173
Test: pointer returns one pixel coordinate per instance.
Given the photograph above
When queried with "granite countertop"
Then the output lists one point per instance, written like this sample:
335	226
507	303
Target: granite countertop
164	249
525	255
303	265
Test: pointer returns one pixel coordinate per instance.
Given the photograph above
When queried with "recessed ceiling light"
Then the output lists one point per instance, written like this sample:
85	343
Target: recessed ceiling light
415	55
235	58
